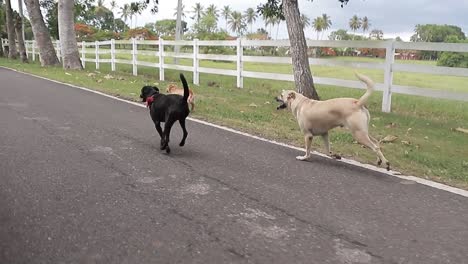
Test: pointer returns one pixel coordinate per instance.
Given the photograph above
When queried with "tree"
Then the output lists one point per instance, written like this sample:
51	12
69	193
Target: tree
49	8
113	5
250	17
365	24
289	10
19	36
12	53
136	9
226	12
198	12
237	23
103	17
326	23
269	21
376	34
354	24
68	45
41	34
207	24
167	27
125	13
182	10
436	33
340	34
305	21
213	11
318	24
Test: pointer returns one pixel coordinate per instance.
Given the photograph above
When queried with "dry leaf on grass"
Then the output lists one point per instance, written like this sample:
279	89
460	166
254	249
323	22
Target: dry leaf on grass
389	138
108	76
391	125
69	74
253	105
405	142
99	80
91	74
463	130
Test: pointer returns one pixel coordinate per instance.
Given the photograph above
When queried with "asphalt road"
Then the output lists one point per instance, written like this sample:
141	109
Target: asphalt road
82	180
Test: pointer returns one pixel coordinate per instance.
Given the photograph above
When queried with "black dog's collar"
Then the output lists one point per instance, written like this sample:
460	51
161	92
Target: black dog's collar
149	100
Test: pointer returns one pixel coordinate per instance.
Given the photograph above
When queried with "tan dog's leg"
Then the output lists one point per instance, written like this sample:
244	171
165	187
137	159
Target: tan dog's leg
363	138
308	143
326	142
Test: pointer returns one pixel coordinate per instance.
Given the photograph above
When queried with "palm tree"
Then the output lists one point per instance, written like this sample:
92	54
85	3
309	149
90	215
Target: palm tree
136	9
19	36
41	34
250	16
305	21
12	53
326	23
182	11
365	24
198	12
212	10
226	12
125	13
69	47
354	24
100	9
278	22
237	23
318	24
113	5
269	21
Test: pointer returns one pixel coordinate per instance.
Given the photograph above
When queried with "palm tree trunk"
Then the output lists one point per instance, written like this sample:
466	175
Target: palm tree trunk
302	75
277	29
41	34
19	36
66	23
12	53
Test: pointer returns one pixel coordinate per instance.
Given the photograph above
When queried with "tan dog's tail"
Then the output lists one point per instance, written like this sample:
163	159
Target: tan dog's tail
370	88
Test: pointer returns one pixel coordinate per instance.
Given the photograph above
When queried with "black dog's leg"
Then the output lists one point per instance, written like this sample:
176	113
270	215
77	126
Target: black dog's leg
160	132
167	131
182	124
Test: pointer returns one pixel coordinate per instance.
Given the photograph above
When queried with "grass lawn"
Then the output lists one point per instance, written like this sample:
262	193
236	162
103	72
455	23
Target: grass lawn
427	145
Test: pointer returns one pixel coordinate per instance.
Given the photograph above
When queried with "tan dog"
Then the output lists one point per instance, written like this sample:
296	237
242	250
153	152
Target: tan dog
316	118
174	89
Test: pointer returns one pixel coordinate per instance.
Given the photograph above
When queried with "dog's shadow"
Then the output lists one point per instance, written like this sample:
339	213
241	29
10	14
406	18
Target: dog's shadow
340	164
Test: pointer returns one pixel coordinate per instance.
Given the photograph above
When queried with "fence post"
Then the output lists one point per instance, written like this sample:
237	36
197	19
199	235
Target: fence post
196	74
112	54
83	54
388	77
161	59
240	81
97	54
34	50
134	57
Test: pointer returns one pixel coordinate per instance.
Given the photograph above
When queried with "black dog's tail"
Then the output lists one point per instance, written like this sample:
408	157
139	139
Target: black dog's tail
186	88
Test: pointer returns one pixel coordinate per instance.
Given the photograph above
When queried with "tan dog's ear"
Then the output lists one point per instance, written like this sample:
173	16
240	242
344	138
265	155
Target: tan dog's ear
292	95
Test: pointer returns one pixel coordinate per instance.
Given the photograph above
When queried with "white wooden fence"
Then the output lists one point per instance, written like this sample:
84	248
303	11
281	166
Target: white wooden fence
388	66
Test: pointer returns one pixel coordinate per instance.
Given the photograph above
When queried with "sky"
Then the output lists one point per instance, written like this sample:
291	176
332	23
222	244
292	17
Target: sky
393	17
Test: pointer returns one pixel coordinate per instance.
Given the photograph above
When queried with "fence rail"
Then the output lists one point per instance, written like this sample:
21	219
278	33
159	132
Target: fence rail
388	66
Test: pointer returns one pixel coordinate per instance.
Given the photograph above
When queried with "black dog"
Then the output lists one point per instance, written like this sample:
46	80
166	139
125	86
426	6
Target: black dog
168	109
